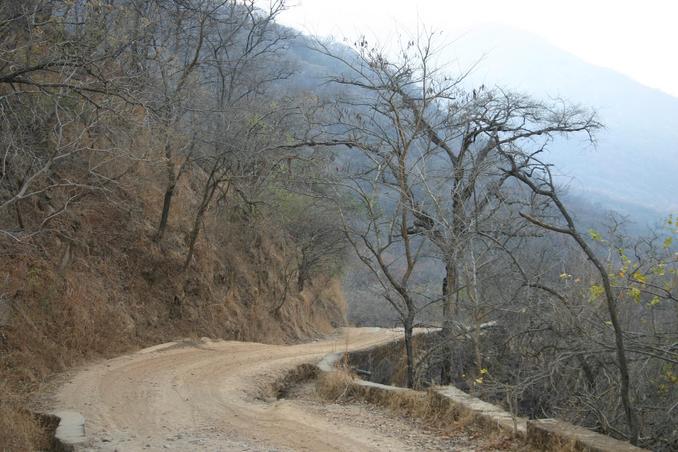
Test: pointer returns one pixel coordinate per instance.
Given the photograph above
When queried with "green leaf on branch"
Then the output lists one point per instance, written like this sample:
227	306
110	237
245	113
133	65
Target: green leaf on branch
668	242
639	277
595	235
596	291
634	293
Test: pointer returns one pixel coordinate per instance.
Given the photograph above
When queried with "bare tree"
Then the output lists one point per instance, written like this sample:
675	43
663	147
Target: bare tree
538	178
377	121
174	53
452	142
316	230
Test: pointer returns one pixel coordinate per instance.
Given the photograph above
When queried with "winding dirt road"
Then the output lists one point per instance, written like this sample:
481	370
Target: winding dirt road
202	395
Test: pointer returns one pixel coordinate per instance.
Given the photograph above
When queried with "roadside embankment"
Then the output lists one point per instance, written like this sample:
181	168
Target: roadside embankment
449	404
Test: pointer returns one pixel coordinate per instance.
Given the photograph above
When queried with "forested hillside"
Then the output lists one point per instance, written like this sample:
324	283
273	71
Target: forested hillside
178	168
146	189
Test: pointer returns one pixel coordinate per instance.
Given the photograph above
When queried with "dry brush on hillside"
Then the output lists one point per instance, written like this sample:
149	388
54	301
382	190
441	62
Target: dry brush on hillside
136	206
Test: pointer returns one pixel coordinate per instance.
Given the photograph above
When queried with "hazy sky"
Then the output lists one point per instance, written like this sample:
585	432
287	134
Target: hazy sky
638	38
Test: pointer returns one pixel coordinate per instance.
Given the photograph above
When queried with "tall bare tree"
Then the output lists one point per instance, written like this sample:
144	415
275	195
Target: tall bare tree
447	142
537	176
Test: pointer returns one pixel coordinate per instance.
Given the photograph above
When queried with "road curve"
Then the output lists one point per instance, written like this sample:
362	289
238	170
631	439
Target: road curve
201	395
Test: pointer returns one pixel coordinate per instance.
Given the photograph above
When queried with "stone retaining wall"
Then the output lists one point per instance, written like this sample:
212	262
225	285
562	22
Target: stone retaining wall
544	434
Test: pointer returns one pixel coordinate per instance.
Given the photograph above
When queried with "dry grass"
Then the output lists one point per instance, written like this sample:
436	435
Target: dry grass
19	429
342	386
557	444
336	386
438	413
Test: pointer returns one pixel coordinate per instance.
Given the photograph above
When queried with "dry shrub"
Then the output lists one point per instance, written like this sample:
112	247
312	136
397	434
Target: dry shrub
336	386
343	386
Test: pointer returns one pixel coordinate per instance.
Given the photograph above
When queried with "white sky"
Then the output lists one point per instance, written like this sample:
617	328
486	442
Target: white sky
636	37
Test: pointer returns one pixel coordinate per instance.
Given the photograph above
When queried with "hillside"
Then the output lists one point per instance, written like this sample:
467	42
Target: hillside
112	288
126	218
191	169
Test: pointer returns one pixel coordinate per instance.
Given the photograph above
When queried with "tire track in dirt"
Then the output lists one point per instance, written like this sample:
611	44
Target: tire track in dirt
201	395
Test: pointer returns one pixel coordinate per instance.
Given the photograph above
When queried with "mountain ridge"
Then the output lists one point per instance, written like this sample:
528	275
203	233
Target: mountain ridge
636	156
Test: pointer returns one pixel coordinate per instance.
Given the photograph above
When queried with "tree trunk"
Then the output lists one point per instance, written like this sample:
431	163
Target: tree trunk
19	217
477	351
301	279
409	352
303	270
169	193
194	234
449	289
611	302
210	188
474	295
631	418
167	202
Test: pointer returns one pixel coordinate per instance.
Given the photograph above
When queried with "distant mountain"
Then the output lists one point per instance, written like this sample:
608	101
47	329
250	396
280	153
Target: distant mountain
634	168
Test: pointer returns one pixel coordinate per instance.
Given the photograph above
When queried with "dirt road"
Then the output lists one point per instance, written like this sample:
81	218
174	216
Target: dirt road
202	395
